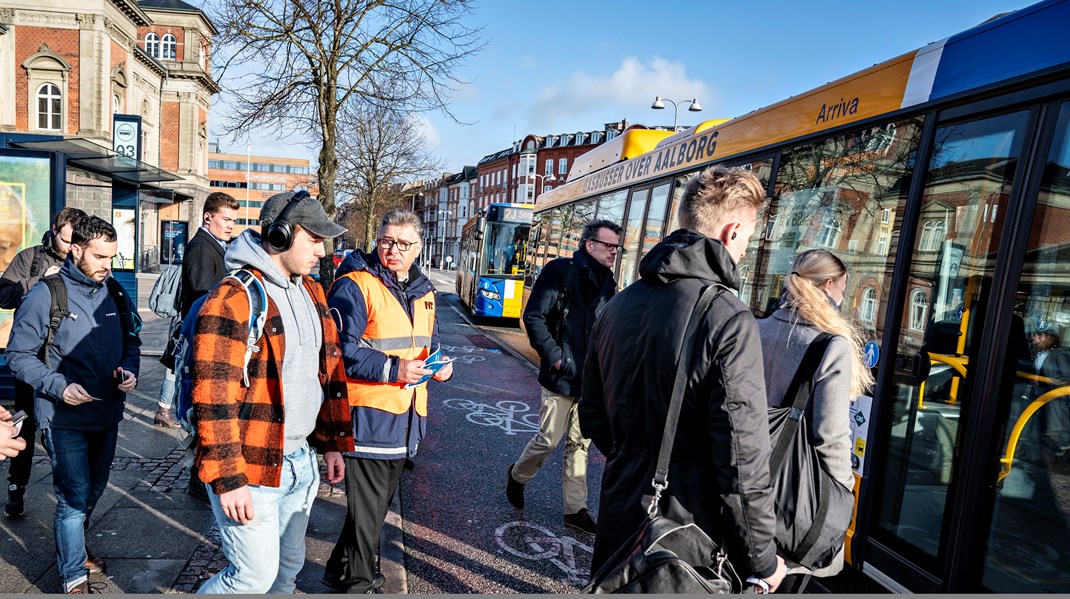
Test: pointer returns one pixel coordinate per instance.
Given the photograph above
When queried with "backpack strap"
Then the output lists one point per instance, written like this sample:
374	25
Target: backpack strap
35	265
56	313
683	367
799	392
257	295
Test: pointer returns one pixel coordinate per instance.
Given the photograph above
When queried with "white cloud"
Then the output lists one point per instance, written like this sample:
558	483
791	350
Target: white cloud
429	131
628	90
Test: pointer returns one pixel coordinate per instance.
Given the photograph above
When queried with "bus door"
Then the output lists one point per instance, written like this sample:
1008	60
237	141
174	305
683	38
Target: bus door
643	227
963	209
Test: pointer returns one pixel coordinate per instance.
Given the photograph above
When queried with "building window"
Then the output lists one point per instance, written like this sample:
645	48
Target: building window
918	310
152	45
169	47
562	166
116	107
49	107
549	170
869	304
546	188
882	245
830	232
886	216
932	235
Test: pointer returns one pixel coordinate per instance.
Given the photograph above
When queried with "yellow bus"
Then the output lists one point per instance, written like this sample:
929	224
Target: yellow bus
942	178
493	260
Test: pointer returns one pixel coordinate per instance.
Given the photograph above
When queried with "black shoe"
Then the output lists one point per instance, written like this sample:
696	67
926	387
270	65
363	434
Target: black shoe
16	501
514	490
581	521
334	581
409	464
377	585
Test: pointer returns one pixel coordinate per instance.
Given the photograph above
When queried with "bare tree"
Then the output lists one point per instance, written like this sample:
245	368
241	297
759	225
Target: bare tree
305	61
380	150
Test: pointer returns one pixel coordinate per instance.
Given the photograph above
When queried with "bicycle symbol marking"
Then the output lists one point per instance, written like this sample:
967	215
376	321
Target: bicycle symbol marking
531	541
457	349
503	415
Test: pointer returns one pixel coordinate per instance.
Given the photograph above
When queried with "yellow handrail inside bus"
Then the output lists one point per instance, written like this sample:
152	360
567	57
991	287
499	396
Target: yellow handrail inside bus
1016	432
956	362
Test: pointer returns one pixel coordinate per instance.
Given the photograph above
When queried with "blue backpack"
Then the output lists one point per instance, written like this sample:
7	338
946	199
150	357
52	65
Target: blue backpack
183	352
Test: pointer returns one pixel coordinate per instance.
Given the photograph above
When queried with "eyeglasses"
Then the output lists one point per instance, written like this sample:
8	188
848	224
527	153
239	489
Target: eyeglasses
611	247
403	246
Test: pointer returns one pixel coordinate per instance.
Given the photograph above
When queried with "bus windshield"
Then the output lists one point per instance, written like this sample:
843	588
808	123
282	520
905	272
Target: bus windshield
506	250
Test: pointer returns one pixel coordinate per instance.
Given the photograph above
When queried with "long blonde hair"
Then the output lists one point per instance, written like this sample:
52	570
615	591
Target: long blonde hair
809	302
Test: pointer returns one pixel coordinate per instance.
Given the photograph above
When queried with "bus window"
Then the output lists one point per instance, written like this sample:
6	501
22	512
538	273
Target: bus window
505	250
553	237
611	206
629	257
579	215
1027	550
831	195
653	230
963	205
674	208
537	259
763	169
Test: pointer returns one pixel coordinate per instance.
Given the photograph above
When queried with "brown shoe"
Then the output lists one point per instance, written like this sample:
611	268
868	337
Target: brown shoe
94	564
164	418
581	521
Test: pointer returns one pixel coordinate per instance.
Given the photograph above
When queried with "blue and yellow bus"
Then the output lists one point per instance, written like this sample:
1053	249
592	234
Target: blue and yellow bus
941	177
494	259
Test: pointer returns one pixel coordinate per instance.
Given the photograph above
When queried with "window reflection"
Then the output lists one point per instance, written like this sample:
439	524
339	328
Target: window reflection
1027	547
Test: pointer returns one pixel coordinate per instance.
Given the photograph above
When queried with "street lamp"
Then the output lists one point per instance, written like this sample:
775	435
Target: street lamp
659	103
547	178
442	256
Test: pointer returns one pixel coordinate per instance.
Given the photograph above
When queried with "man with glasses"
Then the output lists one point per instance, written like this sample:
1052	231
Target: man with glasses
384	307
565	301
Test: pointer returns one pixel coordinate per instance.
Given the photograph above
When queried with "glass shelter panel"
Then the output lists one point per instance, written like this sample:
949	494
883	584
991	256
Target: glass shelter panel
967	185
1028	549
629	257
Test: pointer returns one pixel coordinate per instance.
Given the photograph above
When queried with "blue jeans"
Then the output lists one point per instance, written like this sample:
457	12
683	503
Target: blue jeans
81	465
266	553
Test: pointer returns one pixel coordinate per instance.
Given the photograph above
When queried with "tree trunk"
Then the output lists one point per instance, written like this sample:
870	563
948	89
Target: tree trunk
328	170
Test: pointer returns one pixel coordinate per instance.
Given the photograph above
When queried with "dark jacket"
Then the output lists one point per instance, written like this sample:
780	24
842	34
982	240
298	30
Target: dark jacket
720	459
18	278
373	429
202	268
86	350
566	341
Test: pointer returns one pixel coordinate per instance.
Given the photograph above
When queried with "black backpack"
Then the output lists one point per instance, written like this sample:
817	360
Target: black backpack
813	510
129	320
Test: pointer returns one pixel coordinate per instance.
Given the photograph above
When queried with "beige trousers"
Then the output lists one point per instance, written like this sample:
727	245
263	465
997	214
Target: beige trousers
558	417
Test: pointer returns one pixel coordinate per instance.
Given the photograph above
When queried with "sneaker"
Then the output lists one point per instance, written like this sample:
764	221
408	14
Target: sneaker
94	564
581	521
78	588
16	501
164	418
514	491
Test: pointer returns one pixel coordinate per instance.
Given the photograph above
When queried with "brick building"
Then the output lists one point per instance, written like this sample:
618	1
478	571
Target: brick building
105	103
254	179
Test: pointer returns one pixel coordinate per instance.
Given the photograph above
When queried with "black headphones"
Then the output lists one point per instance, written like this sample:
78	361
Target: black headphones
280	233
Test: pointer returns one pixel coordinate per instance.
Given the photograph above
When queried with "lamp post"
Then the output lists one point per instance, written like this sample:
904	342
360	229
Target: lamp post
547	178
442	256
659	103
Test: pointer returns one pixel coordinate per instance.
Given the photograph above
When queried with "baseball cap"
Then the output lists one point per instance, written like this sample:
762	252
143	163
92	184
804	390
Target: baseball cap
308	213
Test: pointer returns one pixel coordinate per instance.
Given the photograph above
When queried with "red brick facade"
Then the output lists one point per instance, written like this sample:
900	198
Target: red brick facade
169	121
65	43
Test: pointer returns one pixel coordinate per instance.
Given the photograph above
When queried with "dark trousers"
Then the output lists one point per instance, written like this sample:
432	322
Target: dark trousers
19	470
370	486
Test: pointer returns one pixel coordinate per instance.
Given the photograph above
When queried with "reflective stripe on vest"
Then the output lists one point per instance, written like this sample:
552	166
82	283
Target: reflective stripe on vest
390	331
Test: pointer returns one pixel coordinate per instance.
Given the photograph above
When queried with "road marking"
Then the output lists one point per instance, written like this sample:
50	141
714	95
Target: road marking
501	415
533	542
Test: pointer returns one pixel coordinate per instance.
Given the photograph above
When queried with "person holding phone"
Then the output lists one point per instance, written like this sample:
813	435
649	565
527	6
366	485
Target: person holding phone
10	443
94	354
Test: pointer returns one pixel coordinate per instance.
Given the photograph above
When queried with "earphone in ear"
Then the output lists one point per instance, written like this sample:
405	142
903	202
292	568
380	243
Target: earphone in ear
733	234
280	233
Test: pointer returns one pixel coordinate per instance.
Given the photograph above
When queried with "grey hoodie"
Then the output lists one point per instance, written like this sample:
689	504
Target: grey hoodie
301	387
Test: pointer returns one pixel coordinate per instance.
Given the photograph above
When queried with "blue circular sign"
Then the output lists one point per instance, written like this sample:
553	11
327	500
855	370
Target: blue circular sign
1041	324
959	311
872	353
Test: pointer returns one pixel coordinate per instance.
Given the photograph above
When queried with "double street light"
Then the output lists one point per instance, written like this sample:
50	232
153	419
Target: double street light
659	104
442	229
547	178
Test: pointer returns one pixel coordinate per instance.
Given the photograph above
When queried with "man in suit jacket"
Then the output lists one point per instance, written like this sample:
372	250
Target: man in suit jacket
202	265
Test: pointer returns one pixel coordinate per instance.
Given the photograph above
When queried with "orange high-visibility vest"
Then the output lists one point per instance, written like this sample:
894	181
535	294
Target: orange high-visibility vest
390	331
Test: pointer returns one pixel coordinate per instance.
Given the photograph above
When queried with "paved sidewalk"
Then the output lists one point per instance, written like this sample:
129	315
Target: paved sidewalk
154	536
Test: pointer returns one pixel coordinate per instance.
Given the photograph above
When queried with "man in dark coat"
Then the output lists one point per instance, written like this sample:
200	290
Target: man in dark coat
29	266
719	470
567	297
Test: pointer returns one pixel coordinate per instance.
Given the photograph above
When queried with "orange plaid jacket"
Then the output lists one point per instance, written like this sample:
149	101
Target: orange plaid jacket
240	429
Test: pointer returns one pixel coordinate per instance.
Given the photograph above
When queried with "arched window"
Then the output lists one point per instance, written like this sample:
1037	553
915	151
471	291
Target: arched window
49	107
932	235
869	304
919	308
169	47
152	45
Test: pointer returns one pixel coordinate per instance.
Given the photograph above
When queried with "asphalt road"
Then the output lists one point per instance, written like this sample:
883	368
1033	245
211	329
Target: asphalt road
461	535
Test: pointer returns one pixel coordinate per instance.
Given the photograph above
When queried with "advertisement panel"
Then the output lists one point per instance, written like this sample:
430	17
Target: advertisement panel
25	191
172	241
125	228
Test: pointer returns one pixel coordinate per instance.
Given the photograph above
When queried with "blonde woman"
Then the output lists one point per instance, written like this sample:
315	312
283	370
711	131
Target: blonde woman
809	306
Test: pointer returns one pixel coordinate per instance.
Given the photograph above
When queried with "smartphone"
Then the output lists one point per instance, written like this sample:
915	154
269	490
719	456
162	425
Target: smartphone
17	418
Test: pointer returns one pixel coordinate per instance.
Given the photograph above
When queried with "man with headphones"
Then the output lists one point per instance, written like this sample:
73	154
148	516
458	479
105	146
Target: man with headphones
258	435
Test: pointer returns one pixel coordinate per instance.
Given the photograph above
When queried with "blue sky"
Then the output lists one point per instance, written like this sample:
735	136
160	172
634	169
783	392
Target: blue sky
560	67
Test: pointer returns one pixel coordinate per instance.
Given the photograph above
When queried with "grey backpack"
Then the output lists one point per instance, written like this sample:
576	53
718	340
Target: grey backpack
164	297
